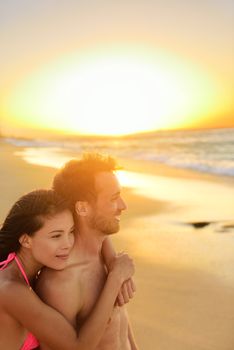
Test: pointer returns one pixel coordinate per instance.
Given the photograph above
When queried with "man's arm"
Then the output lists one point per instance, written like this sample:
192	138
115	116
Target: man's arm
108	252
128	288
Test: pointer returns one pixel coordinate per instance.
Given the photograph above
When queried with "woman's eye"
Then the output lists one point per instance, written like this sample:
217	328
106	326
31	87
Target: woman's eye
56	236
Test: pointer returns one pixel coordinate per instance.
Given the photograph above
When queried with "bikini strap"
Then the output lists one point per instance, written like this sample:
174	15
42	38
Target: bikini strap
11	257
22	270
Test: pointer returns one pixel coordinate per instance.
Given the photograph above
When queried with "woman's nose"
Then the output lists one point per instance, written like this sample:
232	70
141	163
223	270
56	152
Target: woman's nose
68	242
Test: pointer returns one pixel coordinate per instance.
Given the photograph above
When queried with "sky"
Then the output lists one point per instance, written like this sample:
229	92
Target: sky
115	67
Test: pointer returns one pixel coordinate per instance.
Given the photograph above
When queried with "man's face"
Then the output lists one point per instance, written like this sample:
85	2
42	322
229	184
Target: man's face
107	208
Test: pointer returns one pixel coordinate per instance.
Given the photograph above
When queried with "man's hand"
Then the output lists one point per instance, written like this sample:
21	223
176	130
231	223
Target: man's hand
126	292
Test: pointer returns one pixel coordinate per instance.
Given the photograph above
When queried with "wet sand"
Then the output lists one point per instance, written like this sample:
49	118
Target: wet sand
179	230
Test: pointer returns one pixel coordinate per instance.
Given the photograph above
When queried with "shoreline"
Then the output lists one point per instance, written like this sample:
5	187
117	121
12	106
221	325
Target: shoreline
134	165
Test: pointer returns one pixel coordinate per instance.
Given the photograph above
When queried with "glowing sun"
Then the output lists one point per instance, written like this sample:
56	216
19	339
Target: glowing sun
113	95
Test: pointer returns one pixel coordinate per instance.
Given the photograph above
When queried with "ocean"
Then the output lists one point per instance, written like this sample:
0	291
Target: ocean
209	151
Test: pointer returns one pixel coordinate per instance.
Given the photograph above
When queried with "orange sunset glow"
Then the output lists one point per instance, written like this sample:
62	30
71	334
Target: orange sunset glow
115	84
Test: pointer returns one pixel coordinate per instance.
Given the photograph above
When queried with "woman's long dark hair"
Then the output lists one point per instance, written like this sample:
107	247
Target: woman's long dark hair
27	216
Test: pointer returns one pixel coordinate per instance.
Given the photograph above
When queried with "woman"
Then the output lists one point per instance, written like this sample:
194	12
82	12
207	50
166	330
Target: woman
37	232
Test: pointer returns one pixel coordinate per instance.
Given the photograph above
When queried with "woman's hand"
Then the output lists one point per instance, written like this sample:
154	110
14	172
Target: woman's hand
126	292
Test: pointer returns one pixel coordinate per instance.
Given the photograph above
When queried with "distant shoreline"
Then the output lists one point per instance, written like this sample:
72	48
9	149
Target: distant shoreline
137	152
34	133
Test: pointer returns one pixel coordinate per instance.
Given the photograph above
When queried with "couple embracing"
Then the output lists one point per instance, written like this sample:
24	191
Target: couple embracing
62	286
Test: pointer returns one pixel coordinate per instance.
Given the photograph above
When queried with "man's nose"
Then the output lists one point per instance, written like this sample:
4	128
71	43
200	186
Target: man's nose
122	204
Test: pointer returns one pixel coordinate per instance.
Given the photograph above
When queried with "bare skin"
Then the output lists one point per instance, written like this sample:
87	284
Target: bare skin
21	310
75	290
80	285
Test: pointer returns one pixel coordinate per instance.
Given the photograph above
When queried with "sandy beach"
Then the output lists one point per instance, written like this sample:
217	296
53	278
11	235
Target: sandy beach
179	228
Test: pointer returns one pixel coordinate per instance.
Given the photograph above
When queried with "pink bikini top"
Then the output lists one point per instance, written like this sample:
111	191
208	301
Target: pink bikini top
30	341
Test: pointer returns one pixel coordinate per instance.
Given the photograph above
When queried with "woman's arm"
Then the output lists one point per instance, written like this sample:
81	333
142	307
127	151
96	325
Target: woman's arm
50	327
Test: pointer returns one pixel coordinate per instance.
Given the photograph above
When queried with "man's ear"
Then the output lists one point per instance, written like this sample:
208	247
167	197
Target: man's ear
25	240
81	208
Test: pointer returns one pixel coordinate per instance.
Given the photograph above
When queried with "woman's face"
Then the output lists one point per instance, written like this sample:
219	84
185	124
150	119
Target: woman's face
52	244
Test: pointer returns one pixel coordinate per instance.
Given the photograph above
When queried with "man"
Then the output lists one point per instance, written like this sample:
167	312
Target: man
94	193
